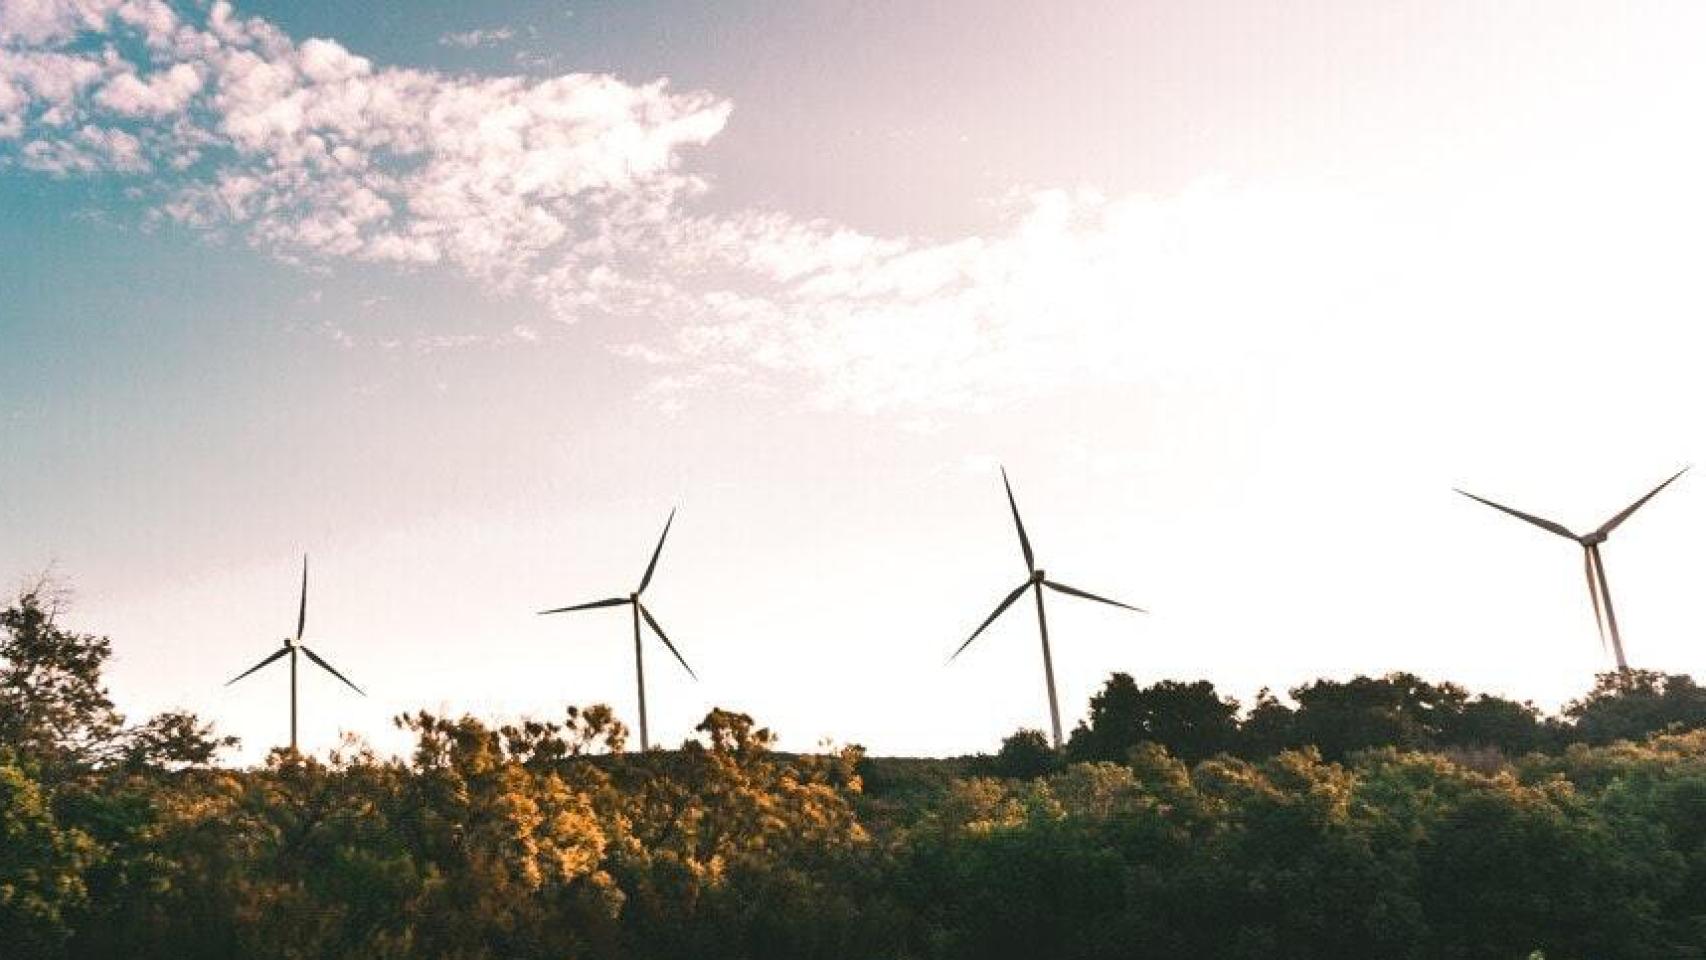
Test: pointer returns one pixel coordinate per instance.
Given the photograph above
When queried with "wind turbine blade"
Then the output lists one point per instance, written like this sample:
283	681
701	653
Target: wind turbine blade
332	670
612	602
1611	524
655	553
1610	611
1593	591
1543	524
1074	591
665	638
998	610
302	608
281	652
1024	541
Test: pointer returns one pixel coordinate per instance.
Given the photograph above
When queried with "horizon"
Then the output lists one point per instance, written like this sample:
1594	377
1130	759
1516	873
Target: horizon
1592	711
461	303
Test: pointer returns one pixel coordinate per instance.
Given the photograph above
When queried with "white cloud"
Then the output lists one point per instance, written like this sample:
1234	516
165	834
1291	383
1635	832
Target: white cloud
313	152
46	21
154	17
12	101
165	92
575	189
50	79
1073	288
90	150
469	39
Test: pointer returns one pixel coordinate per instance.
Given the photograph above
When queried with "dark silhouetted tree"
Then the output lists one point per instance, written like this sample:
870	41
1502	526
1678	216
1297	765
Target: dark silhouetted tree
1024	755
1399	710
55	712
1488	721
54	708
1268	728
1190	719
1634	704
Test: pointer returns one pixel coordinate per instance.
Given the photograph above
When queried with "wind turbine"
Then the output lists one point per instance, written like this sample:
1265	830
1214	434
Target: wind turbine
1594	566
291	647
633	600
1036	582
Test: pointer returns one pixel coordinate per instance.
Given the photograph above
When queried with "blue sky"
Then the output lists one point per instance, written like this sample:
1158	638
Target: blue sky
1238	294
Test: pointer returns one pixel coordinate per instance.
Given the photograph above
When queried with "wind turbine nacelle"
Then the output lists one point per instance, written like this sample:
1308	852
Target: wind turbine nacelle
1593	539
1037	576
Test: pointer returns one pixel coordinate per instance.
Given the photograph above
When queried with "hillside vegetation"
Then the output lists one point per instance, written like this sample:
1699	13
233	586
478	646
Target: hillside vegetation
1372	818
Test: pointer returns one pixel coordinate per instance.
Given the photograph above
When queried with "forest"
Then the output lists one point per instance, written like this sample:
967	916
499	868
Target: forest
1375	817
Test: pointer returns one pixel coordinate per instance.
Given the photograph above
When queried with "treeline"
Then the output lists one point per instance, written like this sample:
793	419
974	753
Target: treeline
1411	839
1337	718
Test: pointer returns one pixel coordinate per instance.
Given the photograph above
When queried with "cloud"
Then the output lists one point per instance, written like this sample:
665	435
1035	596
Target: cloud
166	92
470	39
1072	288
89	150
576	189
312	152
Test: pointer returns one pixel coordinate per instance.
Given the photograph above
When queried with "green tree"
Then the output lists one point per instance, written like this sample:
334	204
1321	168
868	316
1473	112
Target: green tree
54	707
1488	721
1630	705
1397	710
738	852
56	714
1190	719
1025	754
41	865
1269	727
513	854
1508	870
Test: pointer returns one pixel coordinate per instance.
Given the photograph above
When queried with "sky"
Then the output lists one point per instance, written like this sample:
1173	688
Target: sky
461	300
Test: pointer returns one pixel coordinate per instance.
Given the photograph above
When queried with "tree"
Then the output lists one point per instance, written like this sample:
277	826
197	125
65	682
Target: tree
171	741
1268	728
56	714
41	863
1025	754
519	850
1633	704
1507	870
734	851
1190	719
1399	709
1488	721
54	709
